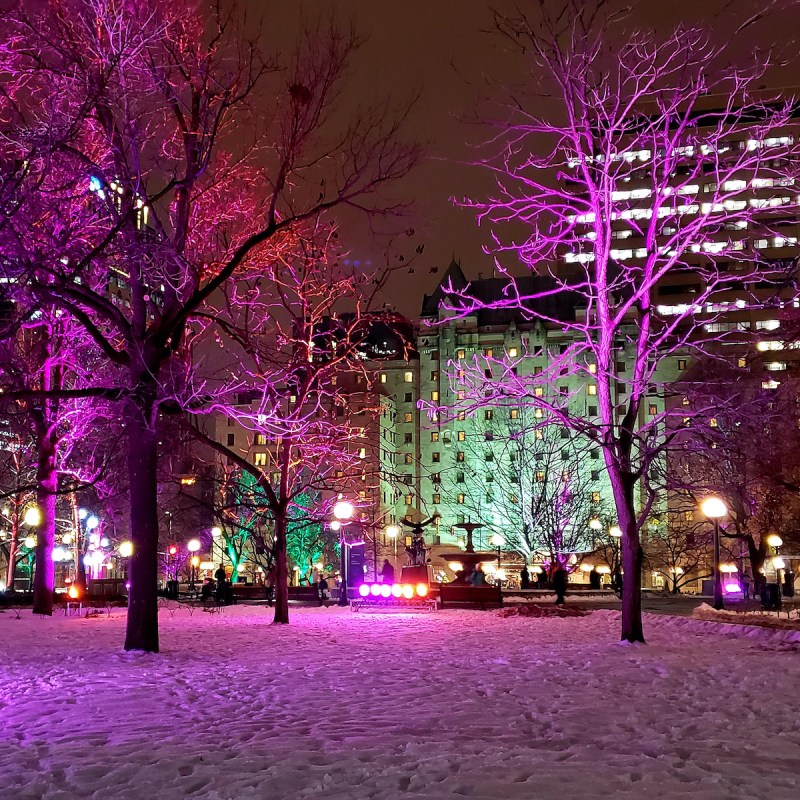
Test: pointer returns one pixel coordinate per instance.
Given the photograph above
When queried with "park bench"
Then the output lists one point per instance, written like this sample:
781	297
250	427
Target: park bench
482	597
304	594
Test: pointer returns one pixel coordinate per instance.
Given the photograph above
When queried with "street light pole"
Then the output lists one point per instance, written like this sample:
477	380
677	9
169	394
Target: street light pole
715	509
343	511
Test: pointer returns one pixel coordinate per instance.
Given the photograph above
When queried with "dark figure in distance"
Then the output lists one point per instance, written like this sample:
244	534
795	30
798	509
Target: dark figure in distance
477	578
560	584
322	590
221	578
387	572
524	579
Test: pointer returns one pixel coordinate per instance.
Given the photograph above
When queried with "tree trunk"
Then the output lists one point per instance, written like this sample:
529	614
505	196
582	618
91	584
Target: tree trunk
46	493
142	627
632	558
281	572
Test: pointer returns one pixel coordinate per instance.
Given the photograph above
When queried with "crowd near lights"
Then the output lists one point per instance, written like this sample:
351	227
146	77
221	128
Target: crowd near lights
395	590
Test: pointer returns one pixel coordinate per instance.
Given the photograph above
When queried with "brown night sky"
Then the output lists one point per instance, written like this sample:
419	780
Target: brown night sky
446	50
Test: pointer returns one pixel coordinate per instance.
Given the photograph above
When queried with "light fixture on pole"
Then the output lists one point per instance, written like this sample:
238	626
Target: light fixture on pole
714	509
498	541
343	511
193	545
393	532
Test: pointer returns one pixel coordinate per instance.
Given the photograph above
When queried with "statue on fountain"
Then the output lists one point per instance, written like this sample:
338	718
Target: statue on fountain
416	571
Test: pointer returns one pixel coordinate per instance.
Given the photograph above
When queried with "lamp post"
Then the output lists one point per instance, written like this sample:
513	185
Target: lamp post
775	542
393	531
343	511
193	545
498	541
714	509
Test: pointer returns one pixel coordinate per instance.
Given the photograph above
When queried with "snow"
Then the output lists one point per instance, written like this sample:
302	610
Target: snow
348	706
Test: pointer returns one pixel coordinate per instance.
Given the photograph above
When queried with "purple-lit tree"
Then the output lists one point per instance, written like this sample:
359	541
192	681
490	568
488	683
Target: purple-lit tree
629	159
138	120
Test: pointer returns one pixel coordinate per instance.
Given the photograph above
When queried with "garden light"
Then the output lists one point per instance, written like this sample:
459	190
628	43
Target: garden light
386	590
126	549
32	516
713	508
408	591
422	590
363	590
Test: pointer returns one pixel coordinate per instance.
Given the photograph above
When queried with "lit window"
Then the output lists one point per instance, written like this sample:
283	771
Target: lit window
593	369
409	499
538	391
436	499
592	389
462	415
488	414
460	498
460	456
741	362
514	413
767	324
461	395
408	377
512	352
713	422
488	352
540	476
652	410
595	497
681	363
539	433
538	413
461	354
565	475
362	452
261	439
514	499
383	377
408	417
435	397
776	366
260	459
408	458
435	436
462	436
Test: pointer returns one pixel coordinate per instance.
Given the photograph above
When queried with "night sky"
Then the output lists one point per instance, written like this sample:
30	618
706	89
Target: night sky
446	51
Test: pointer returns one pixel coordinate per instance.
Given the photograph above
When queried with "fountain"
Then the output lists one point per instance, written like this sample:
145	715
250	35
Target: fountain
468	557
416	571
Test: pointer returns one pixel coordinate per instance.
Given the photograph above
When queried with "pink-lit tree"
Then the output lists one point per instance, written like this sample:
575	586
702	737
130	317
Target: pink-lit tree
628	163
293	337
174	156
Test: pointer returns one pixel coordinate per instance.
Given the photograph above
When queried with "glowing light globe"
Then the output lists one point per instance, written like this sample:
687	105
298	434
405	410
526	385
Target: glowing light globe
73	593
713	508
386	590
32	516
193	545
29	542
732	587
422	589
408	591
363	590
397	590
343	510
375	589
126	549
92	522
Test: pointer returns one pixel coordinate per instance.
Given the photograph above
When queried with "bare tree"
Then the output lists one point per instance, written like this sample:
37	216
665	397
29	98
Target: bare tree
175	156
615	171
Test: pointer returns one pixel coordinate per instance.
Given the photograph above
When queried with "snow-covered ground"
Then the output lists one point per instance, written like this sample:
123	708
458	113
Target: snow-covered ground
348	706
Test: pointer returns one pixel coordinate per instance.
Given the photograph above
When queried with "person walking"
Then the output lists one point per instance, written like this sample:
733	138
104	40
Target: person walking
560	584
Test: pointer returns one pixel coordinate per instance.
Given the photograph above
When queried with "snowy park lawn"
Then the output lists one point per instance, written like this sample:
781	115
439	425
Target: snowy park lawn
447	705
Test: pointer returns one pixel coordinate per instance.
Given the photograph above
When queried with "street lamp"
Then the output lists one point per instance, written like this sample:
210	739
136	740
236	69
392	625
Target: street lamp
32	517
343	511
714	508
393	531
193	545
498	541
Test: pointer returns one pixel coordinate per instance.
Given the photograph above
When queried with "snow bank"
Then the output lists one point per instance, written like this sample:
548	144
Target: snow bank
348	706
